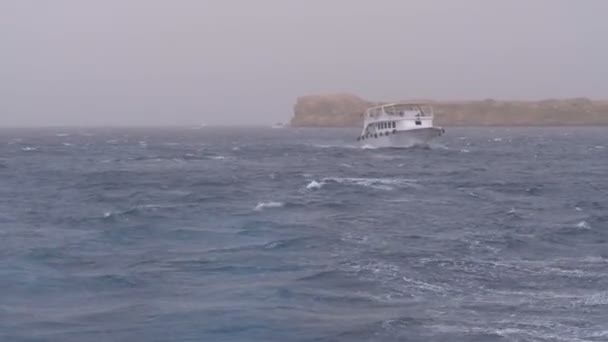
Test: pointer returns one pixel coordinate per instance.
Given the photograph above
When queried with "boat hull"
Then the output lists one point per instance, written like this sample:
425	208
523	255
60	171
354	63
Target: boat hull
405	138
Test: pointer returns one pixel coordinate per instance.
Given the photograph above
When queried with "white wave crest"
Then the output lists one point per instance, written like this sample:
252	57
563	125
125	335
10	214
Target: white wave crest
424	285
583	225
600	298
333	146
376	183
263	205
315	185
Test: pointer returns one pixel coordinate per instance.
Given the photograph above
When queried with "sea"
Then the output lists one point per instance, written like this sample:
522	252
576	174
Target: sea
260	234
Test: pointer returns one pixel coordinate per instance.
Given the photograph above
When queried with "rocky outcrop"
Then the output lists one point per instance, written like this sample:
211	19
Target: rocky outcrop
343	110
332	110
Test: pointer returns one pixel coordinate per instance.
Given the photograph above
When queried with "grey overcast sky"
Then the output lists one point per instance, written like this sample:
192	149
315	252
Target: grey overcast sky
182	62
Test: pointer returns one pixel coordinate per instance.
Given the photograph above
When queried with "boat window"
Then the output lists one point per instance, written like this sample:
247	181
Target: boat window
418	123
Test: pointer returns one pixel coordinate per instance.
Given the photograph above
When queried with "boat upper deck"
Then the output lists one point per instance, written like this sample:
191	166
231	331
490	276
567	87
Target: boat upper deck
399	110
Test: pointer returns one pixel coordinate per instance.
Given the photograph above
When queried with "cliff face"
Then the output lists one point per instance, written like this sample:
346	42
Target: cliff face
343	110
335	110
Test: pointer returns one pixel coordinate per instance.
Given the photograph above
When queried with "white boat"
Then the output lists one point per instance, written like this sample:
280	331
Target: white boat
403	124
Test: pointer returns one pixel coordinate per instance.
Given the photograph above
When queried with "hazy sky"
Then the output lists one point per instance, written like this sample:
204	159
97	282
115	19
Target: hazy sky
133	62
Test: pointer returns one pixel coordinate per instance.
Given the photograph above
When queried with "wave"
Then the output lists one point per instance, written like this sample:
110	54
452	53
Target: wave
526	332
583	225
424	286
140	208
375	183
412	146
288	243
314	185
434	145
597	299
264	205
334	146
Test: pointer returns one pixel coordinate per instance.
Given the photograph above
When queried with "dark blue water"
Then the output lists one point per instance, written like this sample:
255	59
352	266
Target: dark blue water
295	235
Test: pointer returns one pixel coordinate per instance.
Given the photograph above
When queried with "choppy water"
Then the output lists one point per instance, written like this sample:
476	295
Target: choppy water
295	235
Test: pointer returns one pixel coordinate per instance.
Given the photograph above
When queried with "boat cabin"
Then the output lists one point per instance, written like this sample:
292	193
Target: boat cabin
391	118
399	110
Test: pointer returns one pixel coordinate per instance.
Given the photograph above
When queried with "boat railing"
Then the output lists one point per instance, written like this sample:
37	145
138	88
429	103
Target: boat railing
408	111
400	115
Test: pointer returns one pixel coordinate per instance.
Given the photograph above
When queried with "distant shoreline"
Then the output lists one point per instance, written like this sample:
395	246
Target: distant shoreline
346	110
258	127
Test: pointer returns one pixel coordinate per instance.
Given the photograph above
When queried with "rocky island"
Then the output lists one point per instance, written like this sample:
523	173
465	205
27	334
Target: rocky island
346	110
